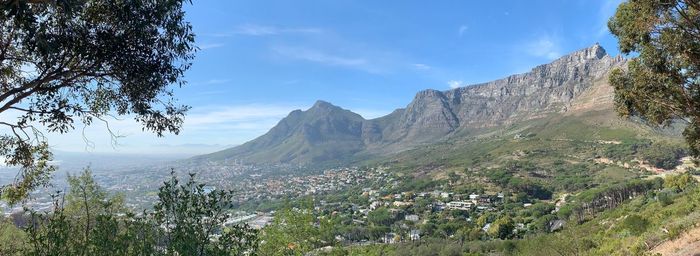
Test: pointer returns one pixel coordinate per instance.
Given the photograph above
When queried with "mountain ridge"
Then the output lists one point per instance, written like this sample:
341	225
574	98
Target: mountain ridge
326	133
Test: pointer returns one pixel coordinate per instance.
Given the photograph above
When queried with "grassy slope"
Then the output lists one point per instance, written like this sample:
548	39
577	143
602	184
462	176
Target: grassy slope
608	235
555	142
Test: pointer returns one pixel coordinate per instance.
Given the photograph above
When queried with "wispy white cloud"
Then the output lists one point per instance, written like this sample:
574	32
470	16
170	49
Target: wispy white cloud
206	117
222	124
217	81
545	47
330	48
211	125
421	66
325	58
264	30
456	84
213	81
462	29
210	46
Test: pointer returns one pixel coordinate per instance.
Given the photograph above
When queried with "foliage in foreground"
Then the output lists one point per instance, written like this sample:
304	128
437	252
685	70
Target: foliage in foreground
661	83
186	220
67	63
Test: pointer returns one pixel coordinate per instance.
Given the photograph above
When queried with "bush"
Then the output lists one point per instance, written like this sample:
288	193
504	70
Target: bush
664	198
635	224
662	156
184	220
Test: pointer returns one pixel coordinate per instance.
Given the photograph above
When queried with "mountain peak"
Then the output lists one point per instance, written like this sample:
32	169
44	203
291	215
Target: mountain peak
323	105
593	52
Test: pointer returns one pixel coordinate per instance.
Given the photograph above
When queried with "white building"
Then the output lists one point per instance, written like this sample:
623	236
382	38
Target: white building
412	217
458	205
414	235
445	195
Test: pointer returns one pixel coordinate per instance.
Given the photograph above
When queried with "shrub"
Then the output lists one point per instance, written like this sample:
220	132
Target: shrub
635	224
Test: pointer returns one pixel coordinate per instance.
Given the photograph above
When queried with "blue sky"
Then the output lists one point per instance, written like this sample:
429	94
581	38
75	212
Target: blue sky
260	60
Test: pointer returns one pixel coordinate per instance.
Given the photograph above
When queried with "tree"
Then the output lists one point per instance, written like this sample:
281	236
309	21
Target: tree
186	221
502	228
66	63
544	223
85	203
452	177
380	217
193	216
12	240
662	156
291	233
662	83
680	182
484	219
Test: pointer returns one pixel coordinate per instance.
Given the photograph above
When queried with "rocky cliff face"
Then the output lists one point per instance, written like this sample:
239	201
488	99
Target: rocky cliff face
575	82
548	88
427	118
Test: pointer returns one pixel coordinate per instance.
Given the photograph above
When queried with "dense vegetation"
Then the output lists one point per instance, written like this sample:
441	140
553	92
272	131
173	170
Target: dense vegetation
88	221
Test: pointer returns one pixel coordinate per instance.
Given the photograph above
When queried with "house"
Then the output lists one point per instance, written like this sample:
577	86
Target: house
414	235
389	238
486	227
412	217
484	199
556	225
439	206
445	195
395	212
473	197
400	203
459	205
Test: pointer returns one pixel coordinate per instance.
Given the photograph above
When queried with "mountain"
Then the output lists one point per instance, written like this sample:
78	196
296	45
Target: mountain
327	134
324	133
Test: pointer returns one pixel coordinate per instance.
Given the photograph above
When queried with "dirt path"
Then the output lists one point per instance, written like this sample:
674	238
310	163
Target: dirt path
686	245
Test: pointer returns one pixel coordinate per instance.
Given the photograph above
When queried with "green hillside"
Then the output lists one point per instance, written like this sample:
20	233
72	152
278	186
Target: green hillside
554	144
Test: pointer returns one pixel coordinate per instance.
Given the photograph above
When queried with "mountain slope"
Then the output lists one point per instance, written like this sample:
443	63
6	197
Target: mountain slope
323	133
575	83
